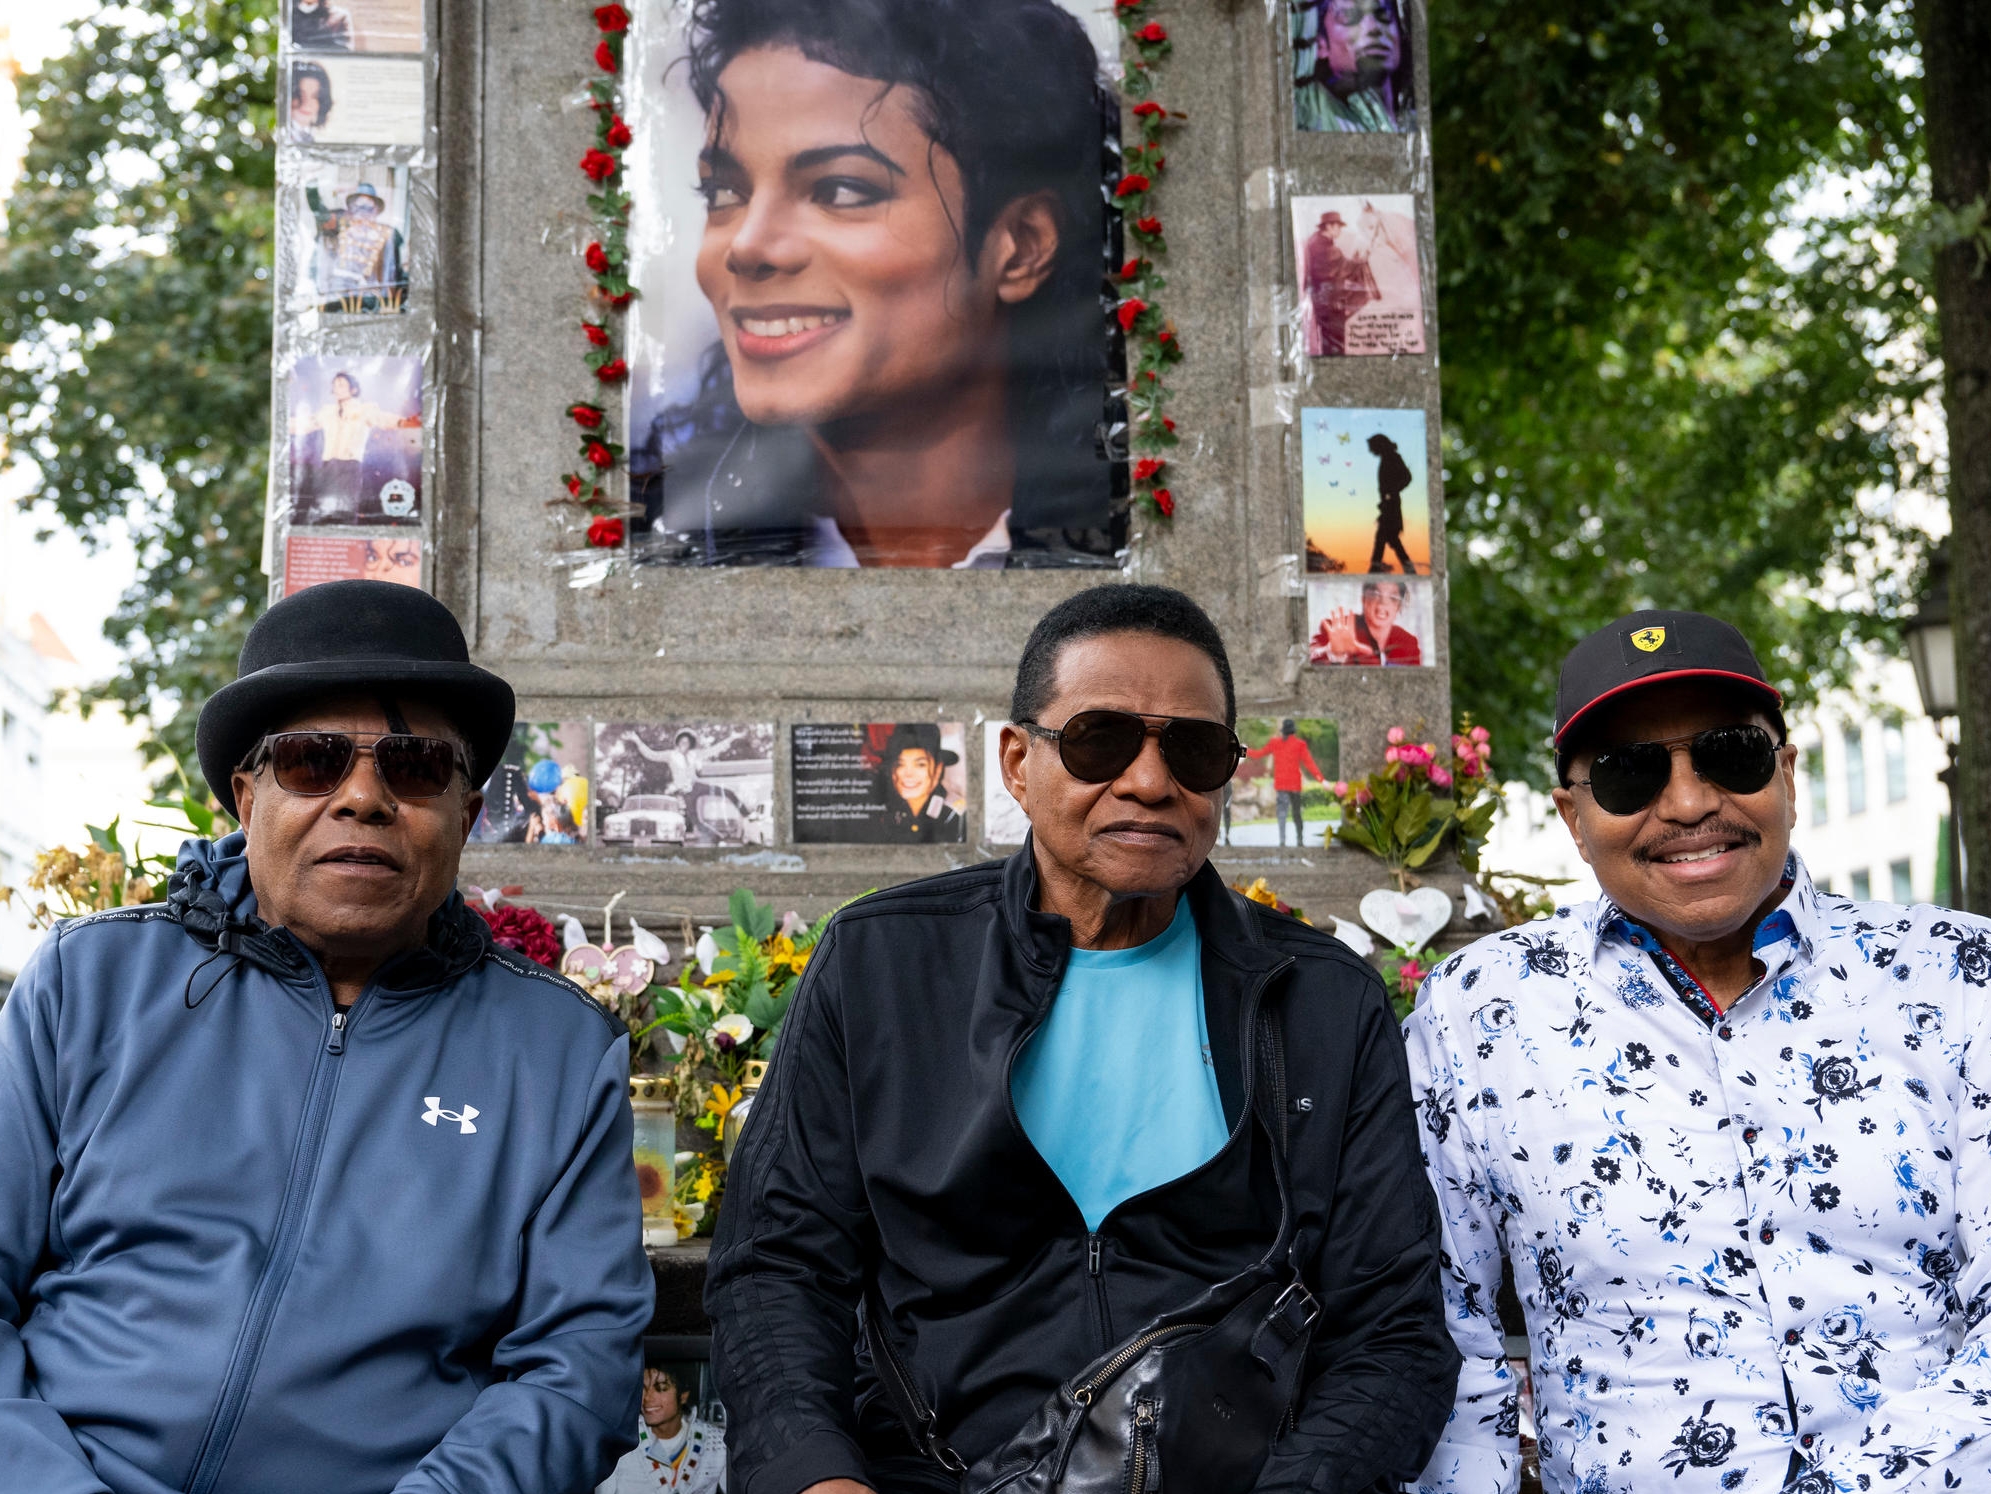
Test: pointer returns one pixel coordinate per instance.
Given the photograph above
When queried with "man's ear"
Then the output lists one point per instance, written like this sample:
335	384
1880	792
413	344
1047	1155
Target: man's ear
1012	749
1022	247
244	785
1565	805
473	805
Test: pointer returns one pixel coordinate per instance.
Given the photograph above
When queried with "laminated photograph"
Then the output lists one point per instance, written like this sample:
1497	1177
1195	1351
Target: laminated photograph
1373	621
879	783
1352	66
309	559
695	783
1365	491
355	449
1356	261
1282	781
354	239
335	100
538	793
869	245
353	25
1003	821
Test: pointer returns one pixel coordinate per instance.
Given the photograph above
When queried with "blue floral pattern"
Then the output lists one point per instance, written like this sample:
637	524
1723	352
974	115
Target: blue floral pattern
1753	1247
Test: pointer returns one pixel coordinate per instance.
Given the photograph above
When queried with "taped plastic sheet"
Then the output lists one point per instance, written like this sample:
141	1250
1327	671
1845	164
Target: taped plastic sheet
1274	404
355	407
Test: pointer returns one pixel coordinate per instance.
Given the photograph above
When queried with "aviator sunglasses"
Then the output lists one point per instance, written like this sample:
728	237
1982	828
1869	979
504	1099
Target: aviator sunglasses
1738	759
312	764
1098	746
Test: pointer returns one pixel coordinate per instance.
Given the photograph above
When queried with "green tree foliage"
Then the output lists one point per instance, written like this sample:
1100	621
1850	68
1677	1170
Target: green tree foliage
135	300
1643	405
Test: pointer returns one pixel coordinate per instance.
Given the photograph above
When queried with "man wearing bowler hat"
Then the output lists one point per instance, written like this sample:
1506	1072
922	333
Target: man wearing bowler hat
304	1184
1732	1133
1337	285
362	264
910	770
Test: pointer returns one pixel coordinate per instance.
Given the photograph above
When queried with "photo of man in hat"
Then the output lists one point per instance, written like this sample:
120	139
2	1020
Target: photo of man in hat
909	776
304	1183
1337	285
360	263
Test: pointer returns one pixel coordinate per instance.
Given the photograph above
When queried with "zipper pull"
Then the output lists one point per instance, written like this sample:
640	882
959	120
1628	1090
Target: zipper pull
338	1043
1092	1254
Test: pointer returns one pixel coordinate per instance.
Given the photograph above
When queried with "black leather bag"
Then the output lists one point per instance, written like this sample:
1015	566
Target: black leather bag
1191	1403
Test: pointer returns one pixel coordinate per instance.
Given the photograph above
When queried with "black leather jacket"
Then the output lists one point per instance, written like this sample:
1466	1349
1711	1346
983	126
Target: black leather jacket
884	1144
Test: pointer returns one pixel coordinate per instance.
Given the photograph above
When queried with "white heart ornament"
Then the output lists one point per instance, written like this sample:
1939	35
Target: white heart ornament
1409	920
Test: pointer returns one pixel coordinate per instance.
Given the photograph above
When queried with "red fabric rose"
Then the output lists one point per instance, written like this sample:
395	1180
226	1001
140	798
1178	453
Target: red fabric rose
587	417
1127	7
605	57
573	485
597	259
1166	337
1147	108
597	335
618	134
523	931
1167	424
1148	468
1131	183
604	533
1165	501
622	300
1130	269
612	371
599	165
1130	312
611	18
1150	225
1152	32
600	455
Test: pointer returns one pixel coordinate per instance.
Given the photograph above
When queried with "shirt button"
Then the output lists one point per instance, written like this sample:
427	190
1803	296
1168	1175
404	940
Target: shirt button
1749	1134
1790	1335
1724	1033
1767	1235
1807	1439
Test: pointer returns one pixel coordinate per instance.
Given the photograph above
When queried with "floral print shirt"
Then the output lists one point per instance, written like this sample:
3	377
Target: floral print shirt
1753	1247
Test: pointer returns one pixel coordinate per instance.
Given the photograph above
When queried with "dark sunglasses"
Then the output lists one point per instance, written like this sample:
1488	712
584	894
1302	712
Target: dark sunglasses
1737	759
1098	746
314	763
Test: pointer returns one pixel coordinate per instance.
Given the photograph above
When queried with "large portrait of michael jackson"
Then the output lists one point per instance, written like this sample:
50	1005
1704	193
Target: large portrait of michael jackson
871	242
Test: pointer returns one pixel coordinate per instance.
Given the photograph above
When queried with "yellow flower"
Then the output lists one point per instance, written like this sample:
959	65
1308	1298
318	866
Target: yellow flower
685	1228
1258	892
722	1101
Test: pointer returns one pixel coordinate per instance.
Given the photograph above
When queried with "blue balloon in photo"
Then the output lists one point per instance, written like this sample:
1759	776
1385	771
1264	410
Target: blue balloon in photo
544	776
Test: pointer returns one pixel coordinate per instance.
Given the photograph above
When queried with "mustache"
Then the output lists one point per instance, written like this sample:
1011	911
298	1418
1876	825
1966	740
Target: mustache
1733	829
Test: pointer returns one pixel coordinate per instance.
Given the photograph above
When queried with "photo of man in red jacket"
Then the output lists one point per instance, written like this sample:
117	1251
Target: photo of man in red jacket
1291	757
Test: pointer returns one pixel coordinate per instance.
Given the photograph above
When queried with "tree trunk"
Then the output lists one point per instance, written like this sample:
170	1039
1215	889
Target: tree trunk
1956	96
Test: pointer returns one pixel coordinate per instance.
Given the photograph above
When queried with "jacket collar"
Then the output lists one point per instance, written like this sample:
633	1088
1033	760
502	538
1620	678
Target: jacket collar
1223	924
211	897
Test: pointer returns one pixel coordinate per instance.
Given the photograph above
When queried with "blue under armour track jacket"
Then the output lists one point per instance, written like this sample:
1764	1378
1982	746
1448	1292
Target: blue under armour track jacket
248	1249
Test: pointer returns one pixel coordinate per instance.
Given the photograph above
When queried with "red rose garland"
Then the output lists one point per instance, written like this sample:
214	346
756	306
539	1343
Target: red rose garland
1151	341
607	259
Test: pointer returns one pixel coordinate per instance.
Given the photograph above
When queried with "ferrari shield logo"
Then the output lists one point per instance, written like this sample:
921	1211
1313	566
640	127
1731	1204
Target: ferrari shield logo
1645	640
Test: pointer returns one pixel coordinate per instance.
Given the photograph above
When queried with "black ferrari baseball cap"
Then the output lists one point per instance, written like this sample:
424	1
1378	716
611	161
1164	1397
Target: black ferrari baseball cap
1647	648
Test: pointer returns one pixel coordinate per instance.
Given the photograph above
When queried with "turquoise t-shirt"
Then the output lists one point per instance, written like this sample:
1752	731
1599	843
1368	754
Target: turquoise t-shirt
1116	1089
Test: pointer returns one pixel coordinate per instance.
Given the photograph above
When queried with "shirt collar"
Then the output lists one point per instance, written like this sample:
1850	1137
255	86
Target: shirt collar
1796	922
829	550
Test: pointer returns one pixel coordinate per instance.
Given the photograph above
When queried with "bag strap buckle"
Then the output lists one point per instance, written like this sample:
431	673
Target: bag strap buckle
1296	1297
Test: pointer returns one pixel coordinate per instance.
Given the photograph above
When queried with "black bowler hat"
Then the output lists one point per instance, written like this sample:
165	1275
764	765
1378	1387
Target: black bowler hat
1647	648
924	735
347	637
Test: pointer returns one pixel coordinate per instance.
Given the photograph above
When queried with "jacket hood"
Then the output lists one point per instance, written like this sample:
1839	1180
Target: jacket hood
211	897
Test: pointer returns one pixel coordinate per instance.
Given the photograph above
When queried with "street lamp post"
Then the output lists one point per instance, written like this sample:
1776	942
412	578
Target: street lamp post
1932	652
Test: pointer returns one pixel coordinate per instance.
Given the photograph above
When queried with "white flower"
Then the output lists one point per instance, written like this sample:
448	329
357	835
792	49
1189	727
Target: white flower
706	951
1354	936
734	1026
1477	905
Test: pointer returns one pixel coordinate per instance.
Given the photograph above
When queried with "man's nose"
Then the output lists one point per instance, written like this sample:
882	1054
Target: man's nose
1147	777
1687	798
765	243
363	795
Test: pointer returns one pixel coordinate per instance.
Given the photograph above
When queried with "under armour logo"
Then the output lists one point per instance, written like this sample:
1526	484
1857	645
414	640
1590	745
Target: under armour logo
462	1117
